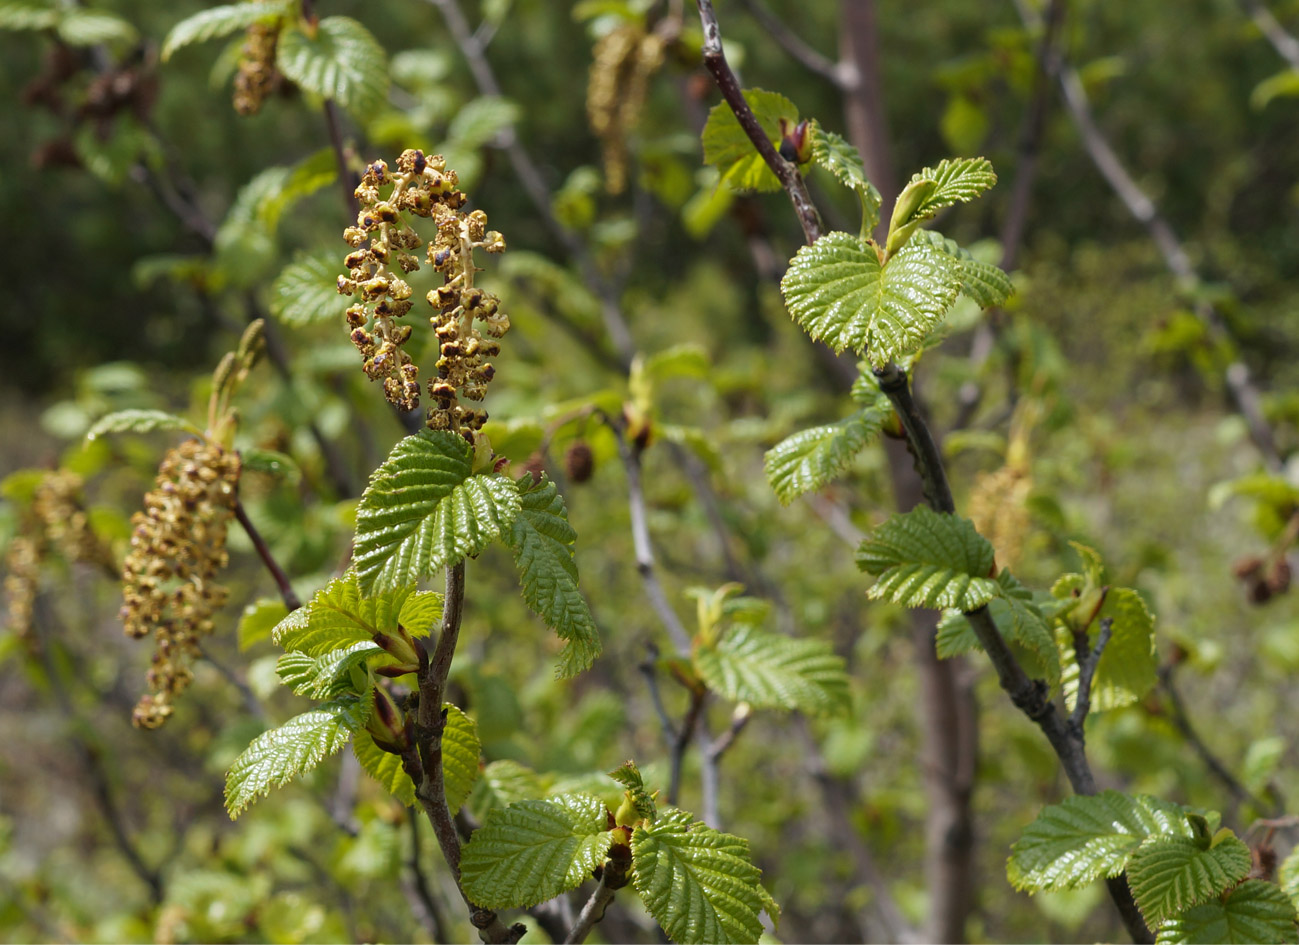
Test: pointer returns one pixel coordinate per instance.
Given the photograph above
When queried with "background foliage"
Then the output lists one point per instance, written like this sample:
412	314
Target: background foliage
1104	398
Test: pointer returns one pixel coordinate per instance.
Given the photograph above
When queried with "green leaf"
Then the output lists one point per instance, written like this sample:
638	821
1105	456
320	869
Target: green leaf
1283	83
1128	667
384	767
542	541
140	421
20	15
838	292
986	285
503	783
699	884
811	459
269	462
1169	875
1086	838
534	850
728	147
836	155
460	751
327	676
278	756
773	671
629	776
341	615
1288	876
92	27
1021	621
311	174
959	180
258	620
929	559
343	62
955	636
306	291
1254	913
221	21
424	509
481	120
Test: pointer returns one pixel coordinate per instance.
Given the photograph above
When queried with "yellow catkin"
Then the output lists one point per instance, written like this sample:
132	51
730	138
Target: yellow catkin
256	75
998	508
178	547
624	60
381	240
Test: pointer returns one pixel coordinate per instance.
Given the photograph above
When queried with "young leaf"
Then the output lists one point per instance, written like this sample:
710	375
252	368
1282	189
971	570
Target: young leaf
1254	913
216	22
501	784
481	120
927	559
773	671
460	751
258	621
727	146
959	180
1288	876
838	291
341	615
1021	621
326	676
1128	667
1171	874
304	291
834	154
277	756
629	776
534	850
424	509
140	421
813	458
983	283
384	767
1085	838
343	62
26	15
699	884
542	542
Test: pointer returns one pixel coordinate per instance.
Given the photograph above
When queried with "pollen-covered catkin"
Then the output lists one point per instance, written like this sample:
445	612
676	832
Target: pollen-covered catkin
178	547
256	75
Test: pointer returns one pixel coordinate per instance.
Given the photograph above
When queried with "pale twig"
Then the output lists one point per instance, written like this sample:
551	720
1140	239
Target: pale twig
710	773
1286	46
592	912
839	74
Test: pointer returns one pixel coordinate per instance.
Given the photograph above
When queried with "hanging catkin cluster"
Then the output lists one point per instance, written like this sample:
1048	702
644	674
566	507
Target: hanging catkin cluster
58	522
625	59
257	75
382	242
178	547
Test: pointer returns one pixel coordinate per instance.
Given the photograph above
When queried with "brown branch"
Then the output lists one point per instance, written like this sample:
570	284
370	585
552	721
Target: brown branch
287	594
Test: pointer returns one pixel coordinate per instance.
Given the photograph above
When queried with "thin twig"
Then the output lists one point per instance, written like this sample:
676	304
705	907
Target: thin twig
287	594
417	888
592	912
1087	663
1284	43
648	669
686	734
710	773
839	74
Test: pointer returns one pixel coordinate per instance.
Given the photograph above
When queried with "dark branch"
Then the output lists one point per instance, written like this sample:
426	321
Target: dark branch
1087	662
287	594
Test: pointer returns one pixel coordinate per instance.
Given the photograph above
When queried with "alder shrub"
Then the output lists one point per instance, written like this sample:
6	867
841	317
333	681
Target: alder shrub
374	648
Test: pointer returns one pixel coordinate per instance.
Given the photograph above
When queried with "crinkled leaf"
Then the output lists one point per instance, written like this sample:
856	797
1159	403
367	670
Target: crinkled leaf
833	153
216	22
1128	667
259	620
140	421
481	120
340	615
384	767
1086	838
773	671
534	850
1021	622
628	775
424	509
1254	913
1288	876
983	283
343	62
838	292
542	541
1169	875
929	559
699	884
959	180
306	290
326	676
277	756
727	146
460	751
811	459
